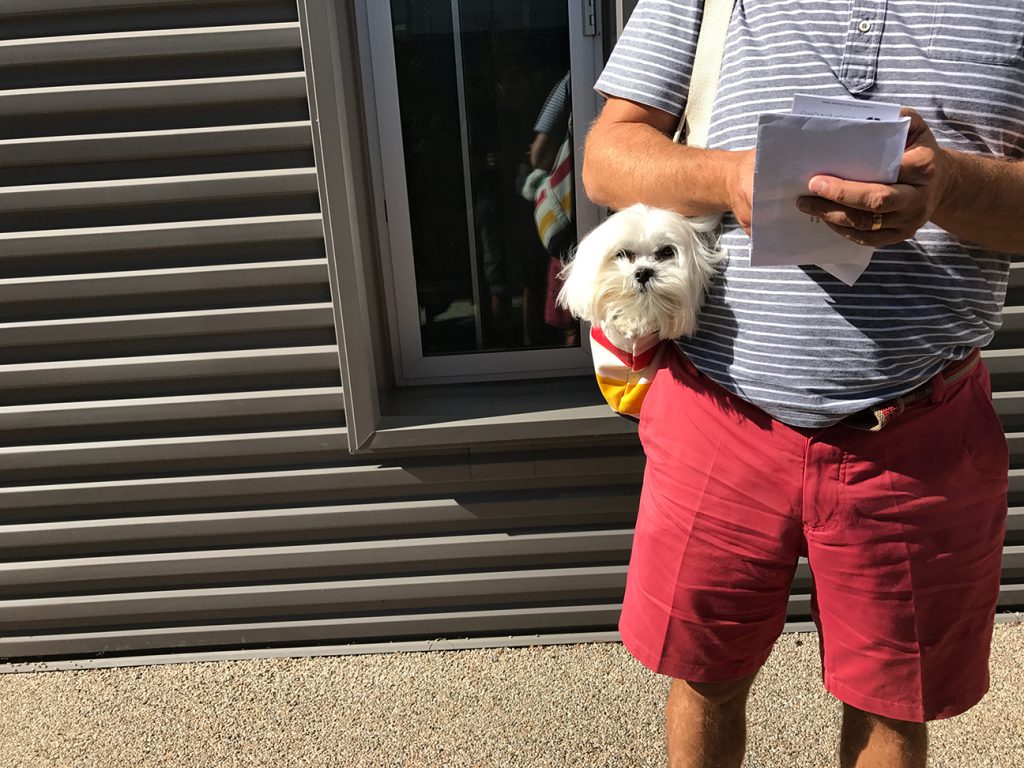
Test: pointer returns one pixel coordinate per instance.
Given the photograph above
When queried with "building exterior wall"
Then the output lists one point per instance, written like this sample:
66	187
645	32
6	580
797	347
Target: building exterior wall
187	256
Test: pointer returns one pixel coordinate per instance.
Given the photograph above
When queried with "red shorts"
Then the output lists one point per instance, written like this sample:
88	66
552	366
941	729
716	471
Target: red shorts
903	530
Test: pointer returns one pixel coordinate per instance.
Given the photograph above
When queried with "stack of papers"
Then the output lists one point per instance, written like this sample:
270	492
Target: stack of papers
849	139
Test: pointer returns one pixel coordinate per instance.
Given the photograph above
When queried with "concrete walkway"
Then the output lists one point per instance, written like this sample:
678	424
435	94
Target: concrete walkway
582	706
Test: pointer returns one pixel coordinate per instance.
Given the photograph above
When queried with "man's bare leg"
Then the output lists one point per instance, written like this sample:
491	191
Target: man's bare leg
706	723
872	741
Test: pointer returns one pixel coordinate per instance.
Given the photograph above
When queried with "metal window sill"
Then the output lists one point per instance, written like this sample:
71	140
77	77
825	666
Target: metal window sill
495	412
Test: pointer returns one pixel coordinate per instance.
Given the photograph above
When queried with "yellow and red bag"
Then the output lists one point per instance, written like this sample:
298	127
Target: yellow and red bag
625	367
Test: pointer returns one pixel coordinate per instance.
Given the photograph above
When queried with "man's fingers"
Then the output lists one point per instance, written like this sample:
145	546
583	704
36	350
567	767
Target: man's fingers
918	166
917	128
850	218
859	226
876	198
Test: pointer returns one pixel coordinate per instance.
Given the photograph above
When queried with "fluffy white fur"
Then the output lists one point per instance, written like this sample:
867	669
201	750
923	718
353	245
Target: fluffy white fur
605	284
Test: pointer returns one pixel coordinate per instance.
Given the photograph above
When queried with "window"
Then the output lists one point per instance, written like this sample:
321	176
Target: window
459	87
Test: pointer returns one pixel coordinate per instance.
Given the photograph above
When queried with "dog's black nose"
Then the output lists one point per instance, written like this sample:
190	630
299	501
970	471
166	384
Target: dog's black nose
643	275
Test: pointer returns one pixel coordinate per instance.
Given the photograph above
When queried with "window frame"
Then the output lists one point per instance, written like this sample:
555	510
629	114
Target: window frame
411	367
380	417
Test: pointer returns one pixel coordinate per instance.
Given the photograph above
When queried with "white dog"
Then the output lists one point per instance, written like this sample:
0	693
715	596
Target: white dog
643	272
639	279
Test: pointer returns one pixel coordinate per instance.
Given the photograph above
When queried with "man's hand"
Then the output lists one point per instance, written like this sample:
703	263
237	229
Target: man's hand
877	215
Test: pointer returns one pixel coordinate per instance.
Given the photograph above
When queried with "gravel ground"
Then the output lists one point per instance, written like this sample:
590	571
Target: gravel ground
585	706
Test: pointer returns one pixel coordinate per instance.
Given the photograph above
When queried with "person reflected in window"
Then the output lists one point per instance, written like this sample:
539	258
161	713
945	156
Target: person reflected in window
553	125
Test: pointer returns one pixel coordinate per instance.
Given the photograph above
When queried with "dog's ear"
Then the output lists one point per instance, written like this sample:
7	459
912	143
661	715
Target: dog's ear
580	277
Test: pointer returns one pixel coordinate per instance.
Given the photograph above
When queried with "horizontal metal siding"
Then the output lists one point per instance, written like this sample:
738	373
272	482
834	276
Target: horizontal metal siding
167	343
454	545
1005	360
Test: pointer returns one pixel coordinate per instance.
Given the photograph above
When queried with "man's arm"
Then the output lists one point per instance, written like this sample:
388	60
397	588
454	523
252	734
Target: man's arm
977	199
985	201
629	158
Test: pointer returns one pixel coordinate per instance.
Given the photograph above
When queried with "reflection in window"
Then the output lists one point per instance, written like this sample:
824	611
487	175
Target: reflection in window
484	99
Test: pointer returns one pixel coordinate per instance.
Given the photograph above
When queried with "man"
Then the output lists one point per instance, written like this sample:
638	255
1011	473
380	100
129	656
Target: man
757	440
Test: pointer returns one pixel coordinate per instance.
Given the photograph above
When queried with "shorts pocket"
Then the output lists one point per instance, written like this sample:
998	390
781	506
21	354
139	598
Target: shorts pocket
995	36
986	444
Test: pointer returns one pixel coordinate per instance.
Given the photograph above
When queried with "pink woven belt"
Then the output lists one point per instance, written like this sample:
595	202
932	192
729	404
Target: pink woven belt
877	418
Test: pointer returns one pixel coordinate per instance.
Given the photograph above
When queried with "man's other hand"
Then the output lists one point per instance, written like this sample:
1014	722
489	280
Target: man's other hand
876	215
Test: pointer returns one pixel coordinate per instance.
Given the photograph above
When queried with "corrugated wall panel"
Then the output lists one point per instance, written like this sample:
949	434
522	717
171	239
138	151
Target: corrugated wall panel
356	629
447	548
167	340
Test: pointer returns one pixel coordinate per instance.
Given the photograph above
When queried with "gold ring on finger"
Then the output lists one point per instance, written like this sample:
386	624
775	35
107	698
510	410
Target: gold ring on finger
876	222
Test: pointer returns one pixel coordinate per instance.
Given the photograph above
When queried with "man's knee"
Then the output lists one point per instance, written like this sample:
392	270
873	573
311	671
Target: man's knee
883	737
719	694
854	716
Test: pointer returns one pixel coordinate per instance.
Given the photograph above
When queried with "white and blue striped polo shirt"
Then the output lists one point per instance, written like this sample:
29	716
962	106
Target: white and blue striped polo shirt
793	340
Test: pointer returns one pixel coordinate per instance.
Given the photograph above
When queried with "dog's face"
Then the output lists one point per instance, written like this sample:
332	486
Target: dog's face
644	270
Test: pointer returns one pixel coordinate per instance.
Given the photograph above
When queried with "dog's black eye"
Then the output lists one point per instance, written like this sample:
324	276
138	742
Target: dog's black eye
624	254
665	253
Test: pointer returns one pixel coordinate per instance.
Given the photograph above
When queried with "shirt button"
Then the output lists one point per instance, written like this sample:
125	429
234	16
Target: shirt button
864	26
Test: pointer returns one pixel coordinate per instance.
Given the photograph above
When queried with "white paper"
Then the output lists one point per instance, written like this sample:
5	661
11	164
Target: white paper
856	109
791	150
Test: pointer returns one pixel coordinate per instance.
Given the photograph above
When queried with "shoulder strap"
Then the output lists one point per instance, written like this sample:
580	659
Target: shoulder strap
704	80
